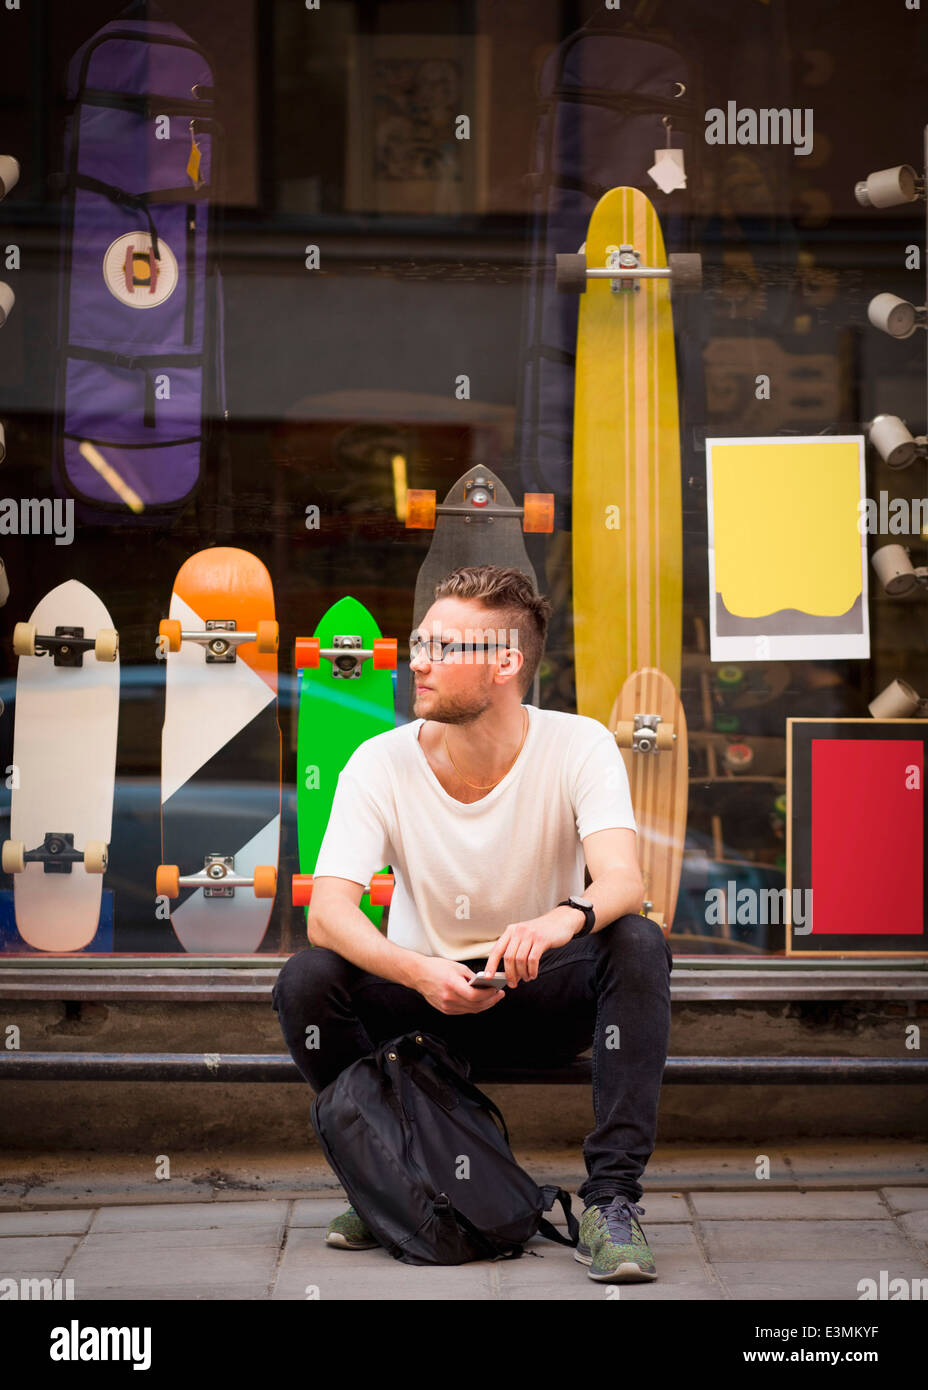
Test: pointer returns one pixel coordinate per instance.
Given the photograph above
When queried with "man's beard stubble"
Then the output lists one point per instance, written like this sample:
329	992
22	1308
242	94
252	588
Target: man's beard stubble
454	709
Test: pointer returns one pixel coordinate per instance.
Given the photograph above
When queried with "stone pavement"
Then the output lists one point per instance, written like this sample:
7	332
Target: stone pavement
829	1216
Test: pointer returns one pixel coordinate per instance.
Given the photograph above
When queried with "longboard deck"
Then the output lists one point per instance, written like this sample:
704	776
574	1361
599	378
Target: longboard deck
458	542
221	752
659	786
64	749
627	509
335	717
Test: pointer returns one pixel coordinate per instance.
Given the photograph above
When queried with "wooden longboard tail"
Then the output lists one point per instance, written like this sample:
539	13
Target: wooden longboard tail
658	780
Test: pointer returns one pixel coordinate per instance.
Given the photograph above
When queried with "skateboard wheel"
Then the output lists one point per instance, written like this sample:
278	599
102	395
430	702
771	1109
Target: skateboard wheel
384	653
301	889
624	733
739	757
420	509
9	174
24	639
167	881
685	271
730	675
665	737
780	805
570	273
106	644
13	856
96	857
538	511
306	653
268	636
169	629
381	890
265	881
7	300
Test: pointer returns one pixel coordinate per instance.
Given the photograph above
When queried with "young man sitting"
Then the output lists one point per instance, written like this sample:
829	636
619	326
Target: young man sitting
486	809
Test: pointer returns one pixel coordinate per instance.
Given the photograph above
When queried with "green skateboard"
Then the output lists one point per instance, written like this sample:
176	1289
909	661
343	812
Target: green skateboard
346	695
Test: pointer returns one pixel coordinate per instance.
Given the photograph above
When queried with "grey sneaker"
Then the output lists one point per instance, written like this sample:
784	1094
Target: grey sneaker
612	1243
348	1232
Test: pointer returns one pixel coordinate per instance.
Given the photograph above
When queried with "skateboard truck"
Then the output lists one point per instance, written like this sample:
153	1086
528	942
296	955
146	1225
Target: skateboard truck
623	267
379	890
347	656
220	638
479	507
56	854
217	878
648	734
626	258
67	646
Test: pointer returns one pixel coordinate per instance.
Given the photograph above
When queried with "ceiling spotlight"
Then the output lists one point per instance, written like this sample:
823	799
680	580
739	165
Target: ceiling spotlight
888	188
893	315
893	441
898	701
896	572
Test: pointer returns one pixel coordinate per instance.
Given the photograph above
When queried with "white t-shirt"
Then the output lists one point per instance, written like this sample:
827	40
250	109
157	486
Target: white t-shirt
464	872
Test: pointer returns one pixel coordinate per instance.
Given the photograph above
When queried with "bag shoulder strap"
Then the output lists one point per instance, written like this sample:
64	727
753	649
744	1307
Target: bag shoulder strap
551	1195
467	1088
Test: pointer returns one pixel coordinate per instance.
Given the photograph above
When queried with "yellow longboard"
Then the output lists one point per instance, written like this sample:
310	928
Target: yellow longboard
627	509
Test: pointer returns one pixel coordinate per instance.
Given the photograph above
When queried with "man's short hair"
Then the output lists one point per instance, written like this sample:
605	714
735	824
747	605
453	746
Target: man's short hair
511	598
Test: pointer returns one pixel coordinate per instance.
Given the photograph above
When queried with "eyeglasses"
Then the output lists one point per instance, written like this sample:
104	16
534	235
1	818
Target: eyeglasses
436	650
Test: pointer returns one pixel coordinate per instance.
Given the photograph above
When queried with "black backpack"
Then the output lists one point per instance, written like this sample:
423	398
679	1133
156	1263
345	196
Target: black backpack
425	1160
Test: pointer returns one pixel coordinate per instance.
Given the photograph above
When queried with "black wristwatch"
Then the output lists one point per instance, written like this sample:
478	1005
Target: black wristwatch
586	907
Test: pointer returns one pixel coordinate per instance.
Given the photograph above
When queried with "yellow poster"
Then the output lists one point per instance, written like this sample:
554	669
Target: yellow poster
787	560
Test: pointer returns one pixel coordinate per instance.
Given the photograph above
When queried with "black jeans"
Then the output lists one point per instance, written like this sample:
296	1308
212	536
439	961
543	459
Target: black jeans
610	989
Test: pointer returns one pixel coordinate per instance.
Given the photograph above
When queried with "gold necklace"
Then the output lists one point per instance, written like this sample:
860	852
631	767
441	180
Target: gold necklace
490	785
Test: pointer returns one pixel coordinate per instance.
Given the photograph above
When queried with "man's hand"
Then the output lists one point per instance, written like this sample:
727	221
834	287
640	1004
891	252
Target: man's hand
523	944
443	984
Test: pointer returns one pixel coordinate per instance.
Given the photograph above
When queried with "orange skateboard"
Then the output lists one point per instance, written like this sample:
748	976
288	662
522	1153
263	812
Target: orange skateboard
220	753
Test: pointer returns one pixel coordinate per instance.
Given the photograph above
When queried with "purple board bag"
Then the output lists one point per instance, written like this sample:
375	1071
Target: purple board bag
140	359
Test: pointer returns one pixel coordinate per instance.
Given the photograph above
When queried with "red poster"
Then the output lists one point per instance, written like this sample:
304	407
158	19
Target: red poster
868	837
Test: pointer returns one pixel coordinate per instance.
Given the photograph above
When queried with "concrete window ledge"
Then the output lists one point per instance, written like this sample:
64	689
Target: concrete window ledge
241	980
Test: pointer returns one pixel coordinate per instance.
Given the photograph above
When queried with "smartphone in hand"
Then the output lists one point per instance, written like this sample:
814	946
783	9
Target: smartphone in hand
482	981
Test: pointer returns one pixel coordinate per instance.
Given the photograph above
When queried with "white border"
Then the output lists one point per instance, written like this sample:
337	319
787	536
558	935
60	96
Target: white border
763	646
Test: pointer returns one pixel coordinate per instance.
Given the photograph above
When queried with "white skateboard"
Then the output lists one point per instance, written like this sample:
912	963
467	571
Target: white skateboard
64	756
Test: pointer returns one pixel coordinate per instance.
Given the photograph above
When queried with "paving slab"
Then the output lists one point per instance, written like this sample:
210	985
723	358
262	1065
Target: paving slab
671	1269
823	1278
775	1206
39	1274
308	1279
915	1224
189	1215
142	1243
906	1198
368	1274
173	1265
26	1254
317	1211
582	1290
44	1223
797	1241
150	1293
813	1280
